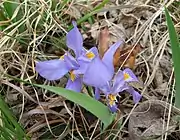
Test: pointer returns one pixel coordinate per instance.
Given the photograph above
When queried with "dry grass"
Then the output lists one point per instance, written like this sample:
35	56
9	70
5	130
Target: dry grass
42	112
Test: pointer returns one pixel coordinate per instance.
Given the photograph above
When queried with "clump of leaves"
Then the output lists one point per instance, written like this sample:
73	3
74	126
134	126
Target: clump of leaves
175	46
9	127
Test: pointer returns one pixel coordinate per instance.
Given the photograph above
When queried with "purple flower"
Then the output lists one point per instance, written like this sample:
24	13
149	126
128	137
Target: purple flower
100	75
119	84
56	69
100	72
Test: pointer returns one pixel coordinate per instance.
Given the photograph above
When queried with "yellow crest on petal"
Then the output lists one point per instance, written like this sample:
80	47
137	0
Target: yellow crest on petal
90	55
72	75
126	76
62	57
111	103
112	97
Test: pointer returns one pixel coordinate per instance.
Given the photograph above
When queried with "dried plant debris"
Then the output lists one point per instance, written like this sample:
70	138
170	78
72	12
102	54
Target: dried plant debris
124	56
139	24
149	121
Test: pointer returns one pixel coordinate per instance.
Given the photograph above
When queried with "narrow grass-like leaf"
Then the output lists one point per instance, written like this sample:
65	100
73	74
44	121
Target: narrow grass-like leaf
9	119
2	16
95	107
5	133
88	15
64	2
3	19
101	5
10	7
6	112
175	46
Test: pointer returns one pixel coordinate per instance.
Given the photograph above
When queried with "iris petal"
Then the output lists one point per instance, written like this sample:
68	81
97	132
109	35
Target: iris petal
74	40
109	55
83	65
84	57
94	50
97	74
75	85
84	62
52	69
135	94
129	76
113	108
97	93
119	84
106	89
71	62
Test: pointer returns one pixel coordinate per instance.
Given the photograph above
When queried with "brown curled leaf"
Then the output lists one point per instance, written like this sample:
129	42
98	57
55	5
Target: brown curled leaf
103	41
122	54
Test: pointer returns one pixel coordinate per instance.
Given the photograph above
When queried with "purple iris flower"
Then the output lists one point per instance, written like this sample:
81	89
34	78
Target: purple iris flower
100	74
119	84
57	68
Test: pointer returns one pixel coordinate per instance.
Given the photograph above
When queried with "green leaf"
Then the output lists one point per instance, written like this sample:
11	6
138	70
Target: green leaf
95	107
101	5
92	105
10	125
88	15
10	7
2	16
175	46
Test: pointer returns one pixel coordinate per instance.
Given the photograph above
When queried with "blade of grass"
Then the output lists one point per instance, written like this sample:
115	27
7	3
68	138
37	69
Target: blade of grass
95	107
4	109
64	3
5	133
10	7
87	16
3	19
2	16
89	103
101	5
175	46
18	130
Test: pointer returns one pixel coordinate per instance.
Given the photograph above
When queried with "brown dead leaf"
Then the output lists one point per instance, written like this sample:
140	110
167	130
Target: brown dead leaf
148	119
126	53
121	54
103	41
